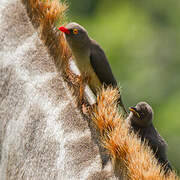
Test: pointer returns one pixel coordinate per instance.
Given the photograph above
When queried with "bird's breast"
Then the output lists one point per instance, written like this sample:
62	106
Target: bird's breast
86	69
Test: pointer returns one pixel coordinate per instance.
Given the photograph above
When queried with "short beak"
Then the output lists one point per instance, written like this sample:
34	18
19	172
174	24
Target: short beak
63	29
134	111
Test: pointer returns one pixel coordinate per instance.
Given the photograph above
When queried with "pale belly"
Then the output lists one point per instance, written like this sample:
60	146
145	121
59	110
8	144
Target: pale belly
87	71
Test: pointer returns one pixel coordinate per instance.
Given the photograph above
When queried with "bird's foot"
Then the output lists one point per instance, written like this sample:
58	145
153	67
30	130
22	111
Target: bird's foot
82	81
86	109
79	81
73	78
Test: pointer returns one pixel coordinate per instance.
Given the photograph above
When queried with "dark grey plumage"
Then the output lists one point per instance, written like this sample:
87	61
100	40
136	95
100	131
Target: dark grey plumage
100	65
90	58
140	119
102	68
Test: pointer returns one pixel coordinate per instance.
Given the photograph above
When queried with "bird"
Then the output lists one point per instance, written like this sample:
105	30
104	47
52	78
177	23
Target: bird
140	119
90	58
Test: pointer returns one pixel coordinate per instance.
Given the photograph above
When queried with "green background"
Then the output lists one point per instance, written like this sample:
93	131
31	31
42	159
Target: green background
141	39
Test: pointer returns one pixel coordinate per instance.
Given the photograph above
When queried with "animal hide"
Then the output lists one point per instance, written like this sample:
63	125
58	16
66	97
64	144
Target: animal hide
43	135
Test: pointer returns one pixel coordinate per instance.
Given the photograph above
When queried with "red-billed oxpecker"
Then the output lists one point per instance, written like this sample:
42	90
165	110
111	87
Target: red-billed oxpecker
90	58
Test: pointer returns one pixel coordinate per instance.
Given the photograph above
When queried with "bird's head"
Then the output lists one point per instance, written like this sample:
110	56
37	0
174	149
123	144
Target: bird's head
141	114
75	34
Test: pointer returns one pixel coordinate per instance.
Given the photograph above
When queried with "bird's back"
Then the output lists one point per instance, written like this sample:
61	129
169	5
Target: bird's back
156	142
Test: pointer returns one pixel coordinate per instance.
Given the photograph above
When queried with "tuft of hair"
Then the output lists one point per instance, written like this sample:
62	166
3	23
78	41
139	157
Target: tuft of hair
105	113
131	157
46	15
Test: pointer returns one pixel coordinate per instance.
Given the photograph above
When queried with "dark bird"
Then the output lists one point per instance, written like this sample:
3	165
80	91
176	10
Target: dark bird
90	58
140	118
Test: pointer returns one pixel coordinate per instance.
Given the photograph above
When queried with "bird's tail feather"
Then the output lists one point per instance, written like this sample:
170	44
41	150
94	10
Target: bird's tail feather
120	102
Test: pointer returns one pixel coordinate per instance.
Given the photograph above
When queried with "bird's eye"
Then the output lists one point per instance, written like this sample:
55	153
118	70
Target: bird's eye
75	31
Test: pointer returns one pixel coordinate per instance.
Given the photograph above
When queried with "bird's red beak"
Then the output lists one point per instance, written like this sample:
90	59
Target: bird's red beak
63	29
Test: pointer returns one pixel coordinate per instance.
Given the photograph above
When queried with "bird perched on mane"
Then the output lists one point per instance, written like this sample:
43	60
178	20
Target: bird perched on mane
90	58
140	119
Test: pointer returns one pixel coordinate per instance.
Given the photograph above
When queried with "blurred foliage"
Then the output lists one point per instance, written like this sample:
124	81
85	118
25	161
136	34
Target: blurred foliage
142	41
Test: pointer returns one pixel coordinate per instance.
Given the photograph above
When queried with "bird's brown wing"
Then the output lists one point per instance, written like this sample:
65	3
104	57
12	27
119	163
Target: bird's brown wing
101	66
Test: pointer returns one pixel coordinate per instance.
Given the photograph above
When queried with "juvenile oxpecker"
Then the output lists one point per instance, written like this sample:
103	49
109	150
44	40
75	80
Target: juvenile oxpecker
140	118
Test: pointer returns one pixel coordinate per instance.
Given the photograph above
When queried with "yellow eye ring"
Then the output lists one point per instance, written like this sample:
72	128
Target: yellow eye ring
75	31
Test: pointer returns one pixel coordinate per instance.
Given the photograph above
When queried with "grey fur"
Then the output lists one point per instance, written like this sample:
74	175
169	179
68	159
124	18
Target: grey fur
144	127
43	136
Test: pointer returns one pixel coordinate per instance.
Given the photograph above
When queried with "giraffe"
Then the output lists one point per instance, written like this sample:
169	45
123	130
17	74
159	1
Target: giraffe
43	135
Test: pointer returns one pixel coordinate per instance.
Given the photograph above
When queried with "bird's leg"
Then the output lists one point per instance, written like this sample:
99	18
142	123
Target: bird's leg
79	82
82	82
81	89
76	80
